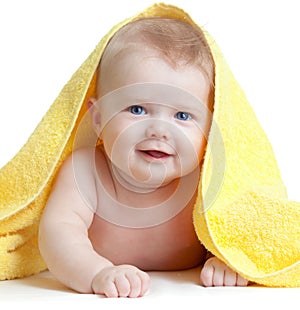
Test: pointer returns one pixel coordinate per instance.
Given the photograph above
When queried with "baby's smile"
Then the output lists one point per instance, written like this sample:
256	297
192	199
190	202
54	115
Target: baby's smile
155	151
155	155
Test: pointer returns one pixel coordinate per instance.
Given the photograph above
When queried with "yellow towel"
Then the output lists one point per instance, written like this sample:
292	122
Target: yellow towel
242	214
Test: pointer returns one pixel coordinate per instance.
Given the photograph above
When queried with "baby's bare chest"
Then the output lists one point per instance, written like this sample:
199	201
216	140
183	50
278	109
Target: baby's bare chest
168	246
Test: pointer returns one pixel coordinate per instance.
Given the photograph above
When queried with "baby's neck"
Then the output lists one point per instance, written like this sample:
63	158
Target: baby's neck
132	193
175	194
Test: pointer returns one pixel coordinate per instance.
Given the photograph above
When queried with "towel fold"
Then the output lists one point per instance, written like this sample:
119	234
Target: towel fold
242	214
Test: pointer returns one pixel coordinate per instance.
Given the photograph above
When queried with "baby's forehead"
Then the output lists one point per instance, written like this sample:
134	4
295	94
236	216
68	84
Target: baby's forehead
175	40
121	43
151	95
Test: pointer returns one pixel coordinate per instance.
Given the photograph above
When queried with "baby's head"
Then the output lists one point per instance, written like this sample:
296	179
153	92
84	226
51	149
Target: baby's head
154	92
175	42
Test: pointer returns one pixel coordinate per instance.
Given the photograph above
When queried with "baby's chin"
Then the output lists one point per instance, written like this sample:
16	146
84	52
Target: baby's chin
153	181
155	177
140	181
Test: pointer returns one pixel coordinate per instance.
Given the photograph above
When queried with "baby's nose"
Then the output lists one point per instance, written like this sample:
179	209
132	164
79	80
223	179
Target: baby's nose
158	130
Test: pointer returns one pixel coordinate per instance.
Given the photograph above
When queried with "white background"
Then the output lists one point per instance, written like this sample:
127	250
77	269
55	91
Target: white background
43	43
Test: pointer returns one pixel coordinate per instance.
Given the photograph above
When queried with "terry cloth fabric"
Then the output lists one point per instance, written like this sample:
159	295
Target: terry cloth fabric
241	215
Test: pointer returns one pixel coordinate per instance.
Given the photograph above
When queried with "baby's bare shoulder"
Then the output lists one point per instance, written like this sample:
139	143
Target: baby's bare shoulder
86	160
77	171
75	163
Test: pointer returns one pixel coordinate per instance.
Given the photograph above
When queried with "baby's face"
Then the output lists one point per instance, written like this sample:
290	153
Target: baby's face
154	118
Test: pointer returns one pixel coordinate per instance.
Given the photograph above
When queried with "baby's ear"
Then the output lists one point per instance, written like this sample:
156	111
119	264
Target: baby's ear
94	114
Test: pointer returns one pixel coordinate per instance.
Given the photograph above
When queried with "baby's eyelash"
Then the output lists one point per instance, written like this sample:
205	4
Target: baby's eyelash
140	110
137	110
183	116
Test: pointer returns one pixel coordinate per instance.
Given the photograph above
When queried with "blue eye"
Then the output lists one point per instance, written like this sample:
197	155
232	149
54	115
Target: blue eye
183	116
137	110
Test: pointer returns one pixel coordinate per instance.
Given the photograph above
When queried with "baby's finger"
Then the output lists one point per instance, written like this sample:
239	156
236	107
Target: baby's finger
230	278
122	285
241	281
206	275
110	290
135	284
218	277
145	282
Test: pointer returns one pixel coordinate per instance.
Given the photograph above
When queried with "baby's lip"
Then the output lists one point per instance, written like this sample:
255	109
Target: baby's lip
156	149
156	154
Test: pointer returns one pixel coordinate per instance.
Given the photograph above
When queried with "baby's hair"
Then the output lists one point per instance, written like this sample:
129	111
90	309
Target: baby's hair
177	41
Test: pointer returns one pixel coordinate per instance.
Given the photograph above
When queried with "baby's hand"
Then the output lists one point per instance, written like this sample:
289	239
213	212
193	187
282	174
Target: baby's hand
121	281
217	273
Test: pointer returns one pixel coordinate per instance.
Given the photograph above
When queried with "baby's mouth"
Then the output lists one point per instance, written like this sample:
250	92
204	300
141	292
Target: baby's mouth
155	154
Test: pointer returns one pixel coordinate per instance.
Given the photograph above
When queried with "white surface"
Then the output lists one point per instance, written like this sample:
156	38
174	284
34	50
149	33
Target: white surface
177	290
43	42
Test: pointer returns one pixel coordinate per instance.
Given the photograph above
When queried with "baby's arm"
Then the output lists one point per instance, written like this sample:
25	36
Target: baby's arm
68	252
217	273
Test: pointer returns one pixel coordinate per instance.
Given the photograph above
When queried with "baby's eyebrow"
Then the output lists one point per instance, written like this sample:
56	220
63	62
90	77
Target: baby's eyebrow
185	107
143	100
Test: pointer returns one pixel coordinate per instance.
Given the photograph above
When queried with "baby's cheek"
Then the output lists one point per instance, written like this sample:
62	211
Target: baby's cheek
195	148
111	138
201	148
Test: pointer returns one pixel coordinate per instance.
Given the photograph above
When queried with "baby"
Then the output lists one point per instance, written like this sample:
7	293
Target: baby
125	207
